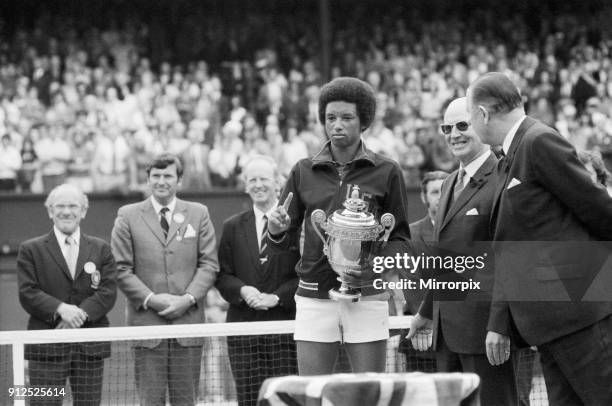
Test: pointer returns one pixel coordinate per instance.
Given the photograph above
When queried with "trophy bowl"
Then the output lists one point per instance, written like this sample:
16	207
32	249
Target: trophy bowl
354	237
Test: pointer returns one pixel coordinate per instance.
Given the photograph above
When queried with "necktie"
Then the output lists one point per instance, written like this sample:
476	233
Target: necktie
163	221
71	255
502	164
458	184
263	256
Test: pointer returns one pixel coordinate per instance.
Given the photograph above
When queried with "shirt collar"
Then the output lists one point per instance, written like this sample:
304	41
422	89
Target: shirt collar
157	207
259	214
472	167
324	156
511	133
61	237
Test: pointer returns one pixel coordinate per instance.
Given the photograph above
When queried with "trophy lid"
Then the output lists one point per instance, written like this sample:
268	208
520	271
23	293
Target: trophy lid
354	214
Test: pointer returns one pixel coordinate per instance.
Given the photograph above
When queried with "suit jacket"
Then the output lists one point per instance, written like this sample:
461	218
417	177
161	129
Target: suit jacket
45	282
179	264
464	319
544	208
240	266
421	231
421	235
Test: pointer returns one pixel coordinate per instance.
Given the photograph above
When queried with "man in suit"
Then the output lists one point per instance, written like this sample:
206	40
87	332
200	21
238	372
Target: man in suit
548	213
460	322
167	261
259	285
422	231
67	280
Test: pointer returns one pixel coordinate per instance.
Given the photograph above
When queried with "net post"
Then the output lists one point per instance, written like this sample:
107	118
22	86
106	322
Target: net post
18	368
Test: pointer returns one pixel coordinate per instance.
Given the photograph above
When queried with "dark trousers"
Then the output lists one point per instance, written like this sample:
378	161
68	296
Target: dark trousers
578	367
255	358
497	383
171	366
85	373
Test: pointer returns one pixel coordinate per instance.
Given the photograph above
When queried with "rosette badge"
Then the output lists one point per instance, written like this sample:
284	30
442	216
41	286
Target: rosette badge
354	237
178	218
89	267
94	274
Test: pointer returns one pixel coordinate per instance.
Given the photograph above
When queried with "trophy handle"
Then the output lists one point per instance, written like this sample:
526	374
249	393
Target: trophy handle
316	218
387	220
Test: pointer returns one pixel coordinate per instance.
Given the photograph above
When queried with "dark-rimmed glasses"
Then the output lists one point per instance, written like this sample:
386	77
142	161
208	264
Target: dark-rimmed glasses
448	128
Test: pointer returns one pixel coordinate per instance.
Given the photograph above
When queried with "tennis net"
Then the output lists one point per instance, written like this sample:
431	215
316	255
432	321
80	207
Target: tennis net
234	358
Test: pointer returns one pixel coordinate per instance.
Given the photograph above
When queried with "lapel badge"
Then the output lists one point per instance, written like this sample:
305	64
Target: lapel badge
95	279
94	274
89	267
179	218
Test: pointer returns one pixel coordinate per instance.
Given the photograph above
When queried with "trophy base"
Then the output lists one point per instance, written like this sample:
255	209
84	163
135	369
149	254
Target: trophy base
346	295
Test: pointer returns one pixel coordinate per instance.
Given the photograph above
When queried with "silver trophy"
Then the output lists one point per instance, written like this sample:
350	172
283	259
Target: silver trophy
354	237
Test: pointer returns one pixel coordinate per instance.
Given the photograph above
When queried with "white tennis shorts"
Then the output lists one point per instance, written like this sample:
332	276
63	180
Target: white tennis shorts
328	321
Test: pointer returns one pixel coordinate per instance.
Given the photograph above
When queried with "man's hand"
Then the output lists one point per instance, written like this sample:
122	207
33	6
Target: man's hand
279	220
72	316
266	301
353	276
498	348
159	301
420	333
178	306
250	295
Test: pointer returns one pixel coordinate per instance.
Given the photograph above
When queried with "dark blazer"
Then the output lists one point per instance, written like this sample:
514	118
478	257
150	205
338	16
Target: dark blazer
421	231
548	206
239	266
464	319
45	282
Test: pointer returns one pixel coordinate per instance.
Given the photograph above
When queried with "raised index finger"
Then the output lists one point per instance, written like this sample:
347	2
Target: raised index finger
288	201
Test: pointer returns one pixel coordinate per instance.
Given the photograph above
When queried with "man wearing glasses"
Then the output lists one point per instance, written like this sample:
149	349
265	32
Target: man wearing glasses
459	321
67	280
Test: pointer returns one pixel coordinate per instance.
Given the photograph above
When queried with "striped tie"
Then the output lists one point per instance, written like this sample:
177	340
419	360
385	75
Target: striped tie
163	221
263	245
459	184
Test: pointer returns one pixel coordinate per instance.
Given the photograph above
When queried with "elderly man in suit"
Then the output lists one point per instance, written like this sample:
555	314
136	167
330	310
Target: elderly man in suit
167	260
258	284
67	279
547	212
460	324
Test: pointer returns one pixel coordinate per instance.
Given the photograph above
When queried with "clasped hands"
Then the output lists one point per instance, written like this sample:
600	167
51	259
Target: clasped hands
421	336
71	316
257	300
169	306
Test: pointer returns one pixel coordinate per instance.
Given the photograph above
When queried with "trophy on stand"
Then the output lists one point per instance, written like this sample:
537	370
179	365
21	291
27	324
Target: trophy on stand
354	237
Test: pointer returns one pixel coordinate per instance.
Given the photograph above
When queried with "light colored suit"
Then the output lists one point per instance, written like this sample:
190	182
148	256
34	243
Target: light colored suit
184	262
179	264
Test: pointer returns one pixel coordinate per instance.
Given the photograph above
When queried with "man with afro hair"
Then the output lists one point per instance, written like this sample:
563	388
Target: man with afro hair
325	181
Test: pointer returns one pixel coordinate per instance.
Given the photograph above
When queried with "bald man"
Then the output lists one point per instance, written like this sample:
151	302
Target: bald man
459	322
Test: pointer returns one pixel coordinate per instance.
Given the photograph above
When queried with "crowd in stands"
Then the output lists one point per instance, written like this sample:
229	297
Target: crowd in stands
91	105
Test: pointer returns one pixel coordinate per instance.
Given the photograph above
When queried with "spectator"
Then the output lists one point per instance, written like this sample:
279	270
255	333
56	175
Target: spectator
10	163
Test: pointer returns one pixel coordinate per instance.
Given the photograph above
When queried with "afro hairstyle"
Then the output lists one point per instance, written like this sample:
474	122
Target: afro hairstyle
349	90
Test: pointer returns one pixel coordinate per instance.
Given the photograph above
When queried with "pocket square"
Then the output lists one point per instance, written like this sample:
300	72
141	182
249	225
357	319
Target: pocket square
472	212
189	232
514	182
